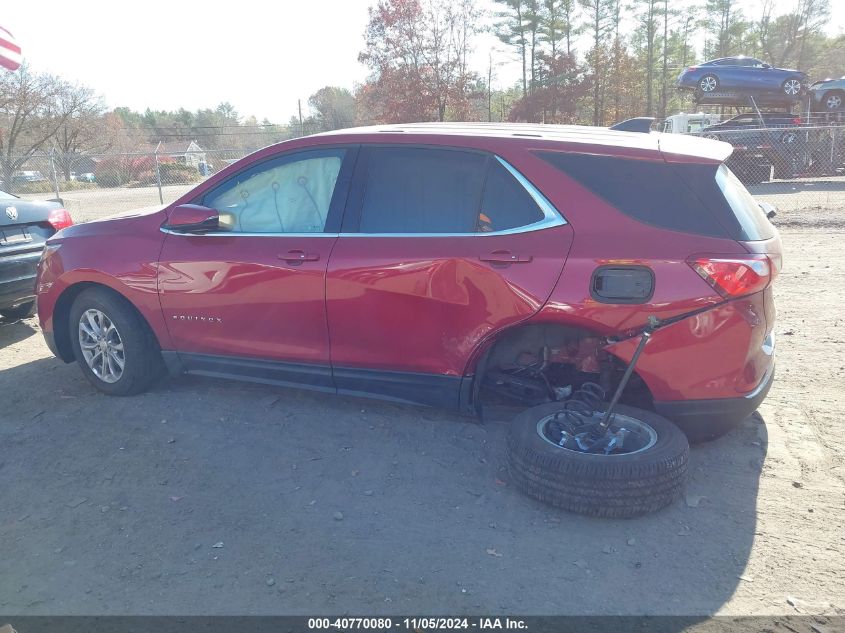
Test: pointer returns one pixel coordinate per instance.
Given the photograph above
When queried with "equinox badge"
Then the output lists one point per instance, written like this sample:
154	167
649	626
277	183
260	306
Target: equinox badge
188	317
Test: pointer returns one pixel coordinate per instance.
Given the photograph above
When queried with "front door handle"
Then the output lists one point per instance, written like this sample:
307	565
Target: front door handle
297	255
505	257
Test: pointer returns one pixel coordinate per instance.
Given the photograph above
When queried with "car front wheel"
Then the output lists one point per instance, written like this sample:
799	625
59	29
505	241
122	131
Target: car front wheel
708	83
112	344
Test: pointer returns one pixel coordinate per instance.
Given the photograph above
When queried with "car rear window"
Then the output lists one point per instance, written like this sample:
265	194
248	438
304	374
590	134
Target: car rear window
704	199
755	225
648	191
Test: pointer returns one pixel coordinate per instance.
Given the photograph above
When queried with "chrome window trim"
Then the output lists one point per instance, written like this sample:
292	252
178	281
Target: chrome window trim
239	234
551	218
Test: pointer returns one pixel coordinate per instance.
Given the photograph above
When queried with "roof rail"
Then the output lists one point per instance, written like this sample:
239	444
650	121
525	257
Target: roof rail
638	124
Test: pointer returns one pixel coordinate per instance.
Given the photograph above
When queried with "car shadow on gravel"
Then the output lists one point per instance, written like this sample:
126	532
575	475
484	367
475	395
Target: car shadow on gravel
209	496
14	331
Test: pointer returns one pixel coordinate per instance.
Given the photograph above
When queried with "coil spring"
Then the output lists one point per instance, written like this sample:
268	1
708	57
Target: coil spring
579	408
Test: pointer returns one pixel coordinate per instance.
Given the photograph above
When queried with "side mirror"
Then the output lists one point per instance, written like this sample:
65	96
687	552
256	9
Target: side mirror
192	218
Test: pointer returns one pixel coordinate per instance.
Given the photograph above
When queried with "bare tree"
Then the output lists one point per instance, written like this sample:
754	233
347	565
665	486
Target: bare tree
81	127
33	108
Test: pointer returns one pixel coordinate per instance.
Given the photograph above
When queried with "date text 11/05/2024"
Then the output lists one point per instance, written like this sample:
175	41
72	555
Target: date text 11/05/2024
417	624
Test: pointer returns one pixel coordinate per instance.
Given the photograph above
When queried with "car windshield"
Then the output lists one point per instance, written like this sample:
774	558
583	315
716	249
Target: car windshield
3	194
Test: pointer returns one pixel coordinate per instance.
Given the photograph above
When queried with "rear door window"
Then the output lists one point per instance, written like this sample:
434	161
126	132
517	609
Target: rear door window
505	204
420	190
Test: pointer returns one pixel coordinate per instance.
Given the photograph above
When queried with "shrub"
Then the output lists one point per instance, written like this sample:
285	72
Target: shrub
177	174
113	172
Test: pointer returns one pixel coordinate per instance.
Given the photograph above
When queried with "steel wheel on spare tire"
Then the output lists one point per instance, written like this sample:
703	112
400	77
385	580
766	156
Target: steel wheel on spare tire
619	485
113	345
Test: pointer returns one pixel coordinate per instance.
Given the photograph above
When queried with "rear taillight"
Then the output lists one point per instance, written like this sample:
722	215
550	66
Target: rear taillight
796	121
59	219
692	68
735	277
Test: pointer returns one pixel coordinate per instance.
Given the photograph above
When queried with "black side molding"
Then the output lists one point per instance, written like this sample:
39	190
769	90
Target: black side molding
638	124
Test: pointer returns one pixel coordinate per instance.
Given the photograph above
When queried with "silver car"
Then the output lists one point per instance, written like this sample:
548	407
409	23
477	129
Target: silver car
829	94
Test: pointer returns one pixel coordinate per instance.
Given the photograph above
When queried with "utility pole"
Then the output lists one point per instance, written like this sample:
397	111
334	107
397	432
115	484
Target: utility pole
301	126
489	86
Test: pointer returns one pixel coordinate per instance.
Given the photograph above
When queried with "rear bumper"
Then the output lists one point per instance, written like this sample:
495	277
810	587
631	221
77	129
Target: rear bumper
17	279
696	416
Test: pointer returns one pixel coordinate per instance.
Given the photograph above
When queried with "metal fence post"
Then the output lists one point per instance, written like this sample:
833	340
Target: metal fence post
55	175
158	178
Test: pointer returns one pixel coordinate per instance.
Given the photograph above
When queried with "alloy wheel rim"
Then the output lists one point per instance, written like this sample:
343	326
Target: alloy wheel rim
708	84
833	102
101	345
792	87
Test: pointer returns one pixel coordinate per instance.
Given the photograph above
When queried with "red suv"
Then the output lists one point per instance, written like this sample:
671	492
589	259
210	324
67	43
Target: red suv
432	263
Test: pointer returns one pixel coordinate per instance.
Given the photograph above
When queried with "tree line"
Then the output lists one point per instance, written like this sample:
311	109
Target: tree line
581	61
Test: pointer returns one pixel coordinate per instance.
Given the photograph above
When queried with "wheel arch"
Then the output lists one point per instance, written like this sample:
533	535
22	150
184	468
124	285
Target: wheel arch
61	315
486	353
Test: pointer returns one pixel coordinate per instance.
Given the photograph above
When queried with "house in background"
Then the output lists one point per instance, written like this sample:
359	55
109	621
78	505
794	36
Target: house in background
184	152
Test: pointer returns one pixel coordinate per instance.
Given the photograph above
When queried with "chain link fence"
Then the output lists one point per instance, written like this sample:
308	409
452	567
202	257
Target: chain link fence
98	185
794	167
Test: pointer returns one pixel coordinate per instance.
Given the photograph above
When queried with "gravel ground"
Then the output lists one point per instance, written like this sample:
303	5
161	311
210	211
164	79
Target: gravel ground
207	496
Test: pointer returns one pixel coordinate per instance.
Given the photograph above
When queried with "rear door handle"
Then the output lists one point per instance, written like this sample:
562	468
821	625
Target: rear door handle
297	255
505	257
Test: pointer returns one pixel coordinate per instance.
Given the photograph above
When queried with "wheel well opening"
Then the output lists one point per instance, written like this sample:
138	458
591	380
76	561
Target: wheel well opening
539	363
61	315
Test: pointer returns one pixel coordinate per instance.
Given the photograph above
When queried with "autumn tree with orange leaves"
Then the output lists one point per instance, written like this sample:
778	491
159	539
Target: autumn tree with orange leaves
417	52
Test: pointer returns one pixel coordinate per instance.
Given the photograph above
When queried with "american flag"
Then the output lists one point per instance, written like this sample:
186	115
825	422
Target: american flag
10	52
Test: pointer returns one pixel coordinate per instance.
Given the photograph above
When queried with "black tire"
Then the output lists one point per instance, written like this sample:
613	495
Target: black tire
708	84
142	357
615	486
23	311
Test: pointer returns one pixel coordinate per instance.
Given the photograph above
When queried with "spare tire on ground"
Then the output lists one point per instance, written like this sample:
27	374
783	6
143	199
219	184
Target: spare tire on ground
646	478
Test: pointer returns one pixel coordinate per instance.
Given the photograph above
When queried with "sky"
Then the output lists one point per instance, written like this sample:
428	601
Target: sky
259	55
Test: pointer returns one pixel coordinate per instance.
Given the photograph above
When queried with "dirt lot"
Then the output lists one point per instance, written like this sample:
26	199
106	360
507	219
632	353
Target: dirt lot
210	497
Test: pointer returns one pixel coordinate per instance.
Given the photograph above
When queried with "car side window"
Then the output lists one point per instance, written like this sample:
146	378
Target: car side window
505	204
416	190
422	190
291	194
